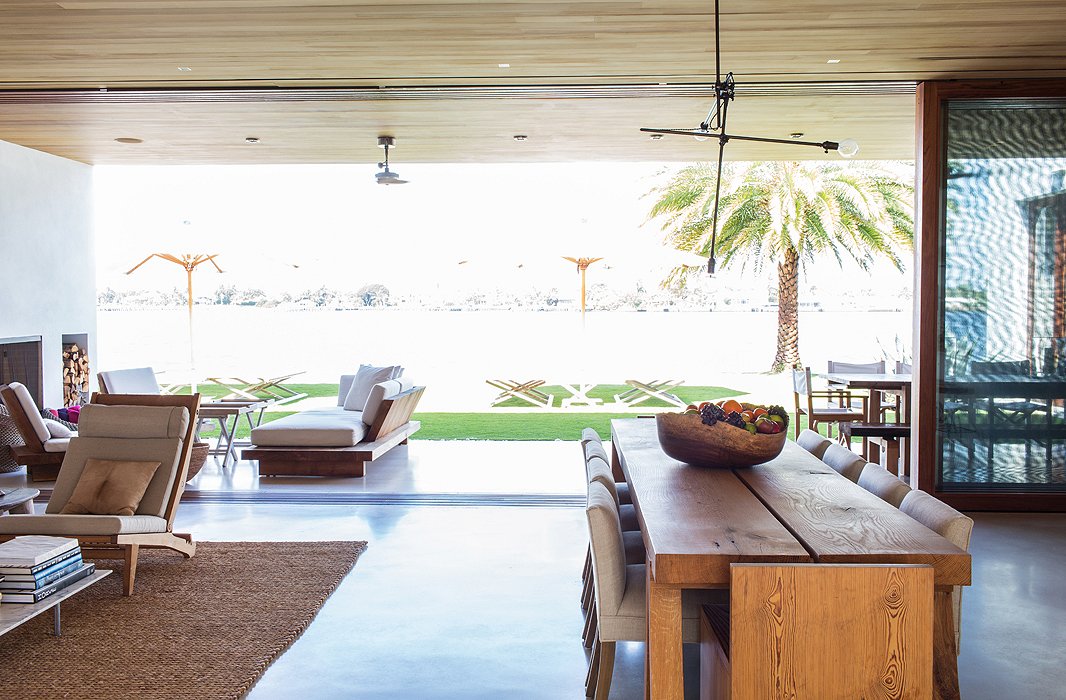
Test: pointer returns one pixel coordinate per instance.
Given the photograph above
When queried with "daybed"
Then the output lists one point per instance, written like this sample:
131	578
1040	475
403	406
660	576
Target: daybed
339	440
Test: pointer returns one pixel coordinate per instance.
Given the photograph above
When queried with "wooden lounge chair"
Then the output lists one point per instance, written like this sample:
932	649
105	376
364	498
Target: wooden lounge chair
528	391
41	453
639	392
123	427
273	388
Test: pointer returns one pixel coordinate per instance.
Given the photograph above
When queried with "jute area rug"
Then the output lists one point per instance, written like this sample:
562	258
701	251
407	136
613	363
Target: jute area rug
205	627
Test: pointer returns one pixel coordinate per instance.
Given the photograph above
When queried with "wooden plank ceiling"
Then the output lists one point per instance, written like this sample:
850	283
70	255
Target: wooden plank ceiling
581	76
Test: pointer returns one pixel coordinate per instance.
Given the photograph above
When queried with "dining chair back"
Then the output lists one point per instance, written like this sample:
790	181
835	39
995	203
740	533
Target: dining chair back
813	442
904	367
832	632
805	396
843	461
949	524
138	380
836	367
883	484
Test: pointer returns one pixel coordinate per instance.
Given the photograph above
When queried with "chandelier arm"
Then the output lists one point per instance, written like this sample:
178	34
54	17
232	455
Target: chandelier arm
717	193
826	145
717	46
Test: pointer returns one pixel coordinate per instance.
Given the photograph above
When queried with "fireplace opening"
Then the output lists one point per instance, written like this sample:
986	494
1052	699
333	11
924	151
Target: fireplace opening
20	361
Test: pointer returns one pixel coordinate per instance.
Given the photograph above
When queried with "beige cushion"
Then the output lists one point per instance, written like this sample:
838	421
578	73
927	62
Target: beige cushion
378	393
883	484
628	623
329	427
844	461
598	470
364	381
813	442
56	445
110	487
608	548
133	422
633	542
344	387
29	407
81	524
590	435
139	380
596	449
58	430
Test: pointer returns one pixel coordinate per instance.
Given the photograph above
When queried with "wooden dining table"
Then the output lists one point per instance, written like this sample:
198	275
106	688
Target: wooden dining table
697	521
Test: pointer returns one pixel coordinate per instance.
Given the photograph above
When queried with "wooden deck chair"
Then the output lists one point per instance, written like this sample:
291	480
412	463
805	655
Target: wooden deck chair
130	428
639	392
528	391
41	453
244	390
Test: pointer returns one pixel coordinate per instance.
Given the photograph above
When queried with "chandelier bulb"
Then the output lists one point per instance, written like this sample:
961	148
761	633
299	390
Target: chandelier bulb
848	148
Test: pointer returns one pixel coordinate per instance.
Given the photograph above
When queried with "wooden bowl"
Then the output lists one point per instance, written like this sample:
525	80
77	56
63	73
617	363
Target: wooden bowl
685	438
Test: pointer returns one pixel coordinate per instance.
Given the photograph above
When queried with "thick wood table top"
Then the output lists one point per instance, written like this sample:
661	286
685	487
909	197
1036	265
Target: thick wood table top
695	521
880	382
840	522
220	410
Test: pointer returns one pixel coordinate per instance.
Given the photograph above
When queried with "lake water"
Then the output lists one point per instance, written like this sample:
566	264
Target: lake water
457	350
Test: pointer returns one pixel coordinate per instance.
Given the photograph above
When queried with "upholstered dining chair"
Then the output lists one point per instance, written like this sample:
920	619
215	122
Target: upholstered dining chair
590	435
843	461
44	442
883	484
813	442
949	524
805	398
120	438
621	593
620	488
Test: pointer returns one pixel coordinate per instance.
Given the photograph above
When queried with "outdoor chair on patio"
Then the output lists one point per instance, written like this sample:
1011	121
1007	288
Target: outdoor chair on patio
639	392
805	398
121	480
262	389
528	391
45	441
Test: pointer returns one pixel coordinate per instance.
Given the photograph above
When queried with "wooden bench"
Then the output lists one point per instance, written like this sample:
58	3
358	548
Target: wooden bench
391	427
886	435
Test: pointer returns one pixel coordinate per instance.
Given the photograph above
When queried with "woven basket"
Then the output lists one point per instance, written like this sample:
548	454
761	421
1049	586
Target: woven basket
198	458
9	436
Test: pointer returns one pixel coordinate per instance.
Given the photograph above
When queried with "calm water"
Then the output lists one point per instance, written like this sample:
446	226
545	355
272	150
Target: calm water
458	350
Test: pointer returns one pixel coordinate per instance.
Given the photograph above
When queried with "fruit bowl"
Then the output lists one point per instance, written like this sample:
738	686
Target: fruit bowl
686	438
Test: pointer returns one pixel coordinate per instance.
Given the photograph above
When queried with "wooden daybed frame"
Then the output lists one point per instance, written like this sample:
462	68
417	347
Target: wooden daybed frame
392	427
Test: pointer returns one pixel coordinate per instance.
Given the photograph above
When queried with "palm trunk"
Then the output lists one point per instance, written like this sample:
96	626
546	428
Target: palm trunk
787	313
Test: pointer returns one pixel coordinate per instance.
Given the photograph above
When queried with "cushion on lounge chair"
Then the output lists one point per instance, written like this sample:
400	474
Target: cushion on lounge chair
378	393
81	524
326	427
134	433
56	444
29	407
345	387
140	380
365	379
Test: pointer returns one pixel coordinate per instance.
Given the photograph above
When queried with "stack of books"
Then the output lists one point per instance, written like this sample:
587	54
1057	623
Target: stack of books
34	567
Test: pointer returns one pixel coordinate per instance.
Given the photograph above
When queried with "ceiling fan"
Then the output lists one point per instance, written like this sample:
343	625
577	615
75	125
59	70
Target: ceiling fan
386	176
714	127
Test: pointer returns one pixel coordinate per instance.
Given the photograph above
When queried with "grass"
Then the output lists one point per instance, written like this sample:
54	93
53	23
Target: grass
607	392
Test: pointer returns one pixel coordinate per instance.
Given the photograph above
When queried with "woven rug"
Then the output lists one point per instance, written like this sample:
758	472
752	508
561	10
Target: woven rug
205	627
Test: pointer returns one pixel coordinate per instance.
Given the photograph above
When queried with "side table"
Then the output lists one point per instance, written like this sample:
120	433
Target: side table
18	501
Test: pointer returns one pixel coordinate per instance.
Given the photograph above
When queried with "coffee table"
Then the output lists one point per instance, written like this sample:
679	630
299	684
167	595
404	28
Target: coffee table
18	501
14	614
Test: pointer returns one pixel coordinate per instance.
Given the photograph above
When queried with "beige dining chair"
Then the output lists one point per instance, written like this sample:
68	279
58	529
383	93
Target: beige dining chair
883	484
949	524
595	450
844	461
590	435
621	605
820	631
805	398
813	442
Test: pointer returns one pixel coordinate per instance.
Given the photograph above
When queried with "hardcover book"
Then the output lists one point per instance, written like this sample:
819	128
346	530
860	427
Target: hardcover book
31	550
84	571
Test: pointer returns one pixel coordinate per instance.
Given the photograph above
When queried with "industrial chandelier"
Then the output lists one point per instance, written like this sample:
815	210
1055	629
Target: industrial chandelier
714	127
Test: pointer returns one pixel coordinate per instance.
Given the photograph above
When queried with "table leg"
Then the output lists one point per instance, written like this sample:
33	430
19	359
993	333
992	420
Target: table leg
871	449
664	648
945	656
56	620
231	437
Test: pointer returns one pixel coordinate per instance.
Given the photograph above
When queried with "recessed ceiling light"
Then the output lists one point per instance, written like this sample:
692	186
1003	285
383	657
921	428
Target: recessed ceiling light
796	135
129	139
251	139
184	69
520	137
655	137
504	65
833	60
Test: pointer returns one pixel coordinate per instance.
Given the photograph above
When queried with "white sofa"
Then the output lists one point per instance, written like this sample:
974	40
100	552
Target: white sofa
334	441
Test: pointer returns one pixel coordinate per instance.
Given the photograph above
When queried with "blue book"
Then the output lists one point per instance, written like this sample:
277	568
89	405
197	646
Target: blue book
30	570
41	578
84	571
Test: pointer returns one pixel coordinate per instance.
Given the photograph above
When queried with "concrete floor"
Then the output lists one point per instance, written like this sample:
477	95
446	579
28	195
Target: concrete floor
467	598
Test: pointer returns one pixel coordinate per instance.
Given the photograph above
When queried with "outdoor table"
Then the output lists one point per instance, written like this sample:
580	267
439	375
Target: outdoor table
228	415
697	521
875	384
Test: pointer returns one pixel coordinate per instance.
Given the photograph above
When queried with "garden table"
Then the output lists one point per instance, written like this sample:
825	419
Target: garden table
697	521
875	384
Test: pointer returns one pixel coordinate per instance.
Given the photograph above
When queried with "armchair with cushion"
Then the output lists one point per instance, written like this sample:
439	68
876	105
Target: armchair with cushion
45	441
121	480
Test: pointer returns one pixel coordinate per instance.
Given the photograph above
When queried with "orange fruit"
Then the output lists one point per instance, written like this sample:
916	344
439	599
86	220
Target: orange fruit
760	411
732	405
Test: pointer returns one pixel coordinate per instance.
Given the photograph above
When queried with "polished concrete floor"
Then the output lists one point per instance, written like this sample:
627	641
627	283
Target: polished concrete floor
459	596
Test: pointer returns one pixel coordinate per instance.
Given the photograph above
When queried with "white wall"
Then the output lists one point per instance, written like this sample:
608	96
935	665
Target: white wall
47	258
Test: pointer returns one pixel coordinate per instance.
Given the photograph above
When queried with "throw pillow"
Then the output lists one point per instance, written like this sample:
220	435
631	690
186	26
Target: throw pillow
110	487
52	414
378	393
57	429
364	381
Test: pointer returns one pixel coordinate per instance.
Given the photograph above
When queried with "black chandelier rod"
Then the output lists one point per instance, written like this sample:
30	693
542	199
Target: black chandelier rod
826	145
717	48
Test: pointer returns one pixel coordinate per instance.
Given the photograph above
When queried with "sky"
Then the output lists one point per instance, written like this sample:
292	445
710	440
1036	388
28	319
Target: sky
290	228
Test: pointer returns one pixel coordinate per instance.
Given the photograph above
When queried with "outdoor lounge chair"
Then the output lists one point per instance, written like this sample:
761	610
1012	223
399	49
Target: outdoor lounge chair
42	454
639	392
528	391
123	427
244	390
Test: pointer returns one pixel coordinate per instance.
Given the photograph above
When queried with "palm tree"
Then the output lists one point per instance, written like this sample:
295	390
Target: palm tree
786	214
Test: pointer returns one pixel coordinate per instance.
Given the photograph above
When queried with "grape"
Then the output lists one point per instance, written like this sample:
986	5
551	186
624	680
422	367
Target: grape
735	419
779	411
711	414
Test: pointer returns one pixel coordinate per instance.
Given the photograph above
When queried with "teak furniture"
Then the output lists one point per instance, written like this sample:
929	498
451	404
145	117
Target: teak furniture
640	392
696	522
878	384
392	426
41	464
805	396
18	501
528	391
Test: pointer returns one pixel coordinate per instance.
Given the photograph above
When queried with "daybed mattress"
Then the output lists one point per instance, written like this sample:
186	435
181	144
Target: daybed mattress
320	427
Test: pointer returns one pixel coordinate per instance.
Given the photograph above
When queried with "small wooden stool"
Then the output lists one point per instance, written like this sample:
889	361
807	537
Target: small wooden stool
884	435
